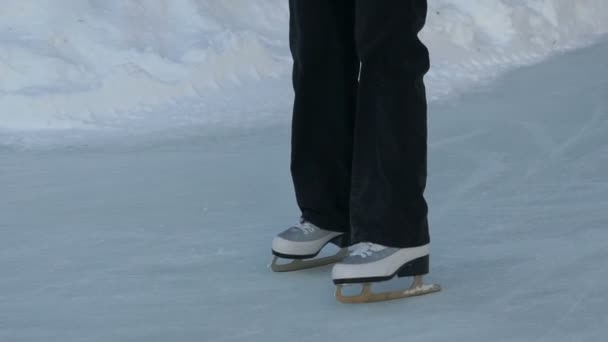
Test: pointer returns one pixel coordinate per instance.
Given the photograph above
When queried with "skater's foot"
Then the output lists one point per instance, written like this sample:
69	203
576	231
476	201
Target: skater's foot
301	243
369	263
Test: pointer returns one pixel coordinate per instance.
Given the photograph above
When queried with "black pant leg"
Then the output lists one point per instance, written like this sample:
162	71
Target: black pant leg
325	81
390	140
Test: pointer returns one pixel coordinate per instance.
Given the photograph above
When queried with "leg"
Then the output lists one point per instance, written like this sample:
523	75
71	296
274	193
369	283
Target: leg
390	140
325	81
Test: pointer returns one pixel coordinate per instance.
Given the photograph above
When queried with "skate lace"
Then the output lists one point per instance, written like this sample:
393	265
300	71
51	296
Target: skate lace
365	249
305	227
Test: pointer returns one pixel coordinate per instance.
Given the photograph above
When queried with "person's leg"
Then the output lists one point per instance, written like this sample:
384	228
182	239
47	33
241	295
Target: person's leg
325	82
390	141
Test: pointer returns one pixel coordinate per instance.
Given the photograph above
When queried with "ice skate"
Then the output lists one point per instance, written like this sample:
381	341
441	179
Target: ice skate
302	243
370	263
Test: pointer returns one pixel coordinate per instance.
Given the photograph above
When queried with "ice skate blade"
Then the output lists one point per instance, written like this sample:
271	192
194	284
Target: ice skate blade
418	288
302	264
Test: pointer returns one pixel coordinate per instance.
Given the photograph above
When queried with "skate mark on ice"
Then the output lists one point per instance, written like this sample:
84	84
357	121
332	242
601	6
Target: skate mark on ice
486	172
457	138
244	335
593	124
563	317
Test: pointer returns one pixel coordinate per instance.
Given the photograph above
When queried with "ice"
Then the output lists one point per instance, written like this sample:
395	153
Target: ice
167	237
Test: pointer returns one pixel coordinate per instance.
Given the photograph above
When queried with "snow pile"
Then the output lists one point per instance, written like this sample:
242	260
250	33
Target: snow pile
475	40
98	64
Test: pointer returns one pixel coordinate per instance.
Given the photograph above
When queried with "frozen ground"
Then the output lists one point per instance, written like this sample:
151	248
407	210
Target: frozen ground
161	239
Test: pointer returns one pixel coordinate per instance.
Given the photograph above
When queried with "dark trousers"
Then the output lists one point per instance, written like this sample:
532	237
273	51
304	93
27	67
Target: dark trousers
359	131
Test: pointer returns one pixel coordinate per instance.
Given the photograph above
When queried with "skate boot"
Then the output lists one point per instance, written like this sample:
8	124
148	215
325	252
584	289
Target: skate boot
369	263
301	243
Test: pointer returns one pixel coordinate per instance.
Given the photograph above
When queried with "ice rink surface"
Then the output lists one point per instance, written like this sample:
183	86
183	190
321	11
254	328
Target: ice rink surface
167	238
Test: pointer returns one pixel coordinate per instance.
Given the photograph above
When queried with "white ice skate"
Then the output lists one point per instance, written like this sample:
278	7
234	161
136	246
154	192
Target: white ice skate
369	263
301	243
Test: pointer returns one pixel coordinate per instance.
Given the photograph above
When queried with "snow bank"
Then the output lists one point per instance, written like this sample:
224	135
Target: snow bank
106	63
471	41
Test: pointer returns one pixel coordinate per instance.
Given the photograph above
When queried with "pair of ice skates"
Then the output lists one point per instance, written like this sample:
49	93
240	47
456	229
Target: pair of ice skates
366	263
